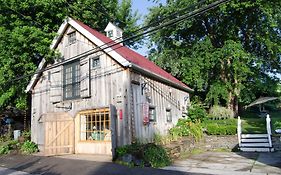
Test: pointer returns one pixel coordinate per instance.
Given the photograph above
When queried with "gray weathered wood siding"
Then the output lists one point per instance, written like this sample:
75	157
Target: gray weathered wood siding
161	97
99	86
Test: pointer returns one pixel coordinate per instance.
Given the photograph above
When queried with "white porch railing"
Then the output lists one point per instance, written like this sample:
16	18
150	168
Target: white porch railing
239	130
268	128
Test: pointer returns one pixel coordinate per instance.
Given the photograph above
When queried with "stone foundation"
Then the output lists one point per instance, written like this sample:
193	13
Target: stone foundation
208	143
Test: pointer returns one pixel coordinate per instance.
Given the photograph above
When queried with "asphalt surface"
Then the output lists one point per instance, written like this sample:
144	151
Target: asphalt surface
64	166
219	163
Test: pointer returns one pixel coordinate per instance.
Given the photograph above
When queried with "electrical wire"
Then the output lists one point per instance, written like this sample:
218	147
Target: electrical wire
144	34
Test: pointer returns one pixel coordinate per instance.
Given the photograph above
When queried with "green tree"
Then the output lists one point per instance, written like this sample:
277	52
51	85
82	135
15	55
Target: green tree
27	28
225	54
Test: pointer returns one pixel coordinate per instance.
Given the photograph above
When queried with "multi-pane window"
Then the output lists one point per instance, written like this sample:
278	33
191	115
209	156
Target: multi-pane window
168	115
152	114
71	38
95	125
96	62
110	33
71	80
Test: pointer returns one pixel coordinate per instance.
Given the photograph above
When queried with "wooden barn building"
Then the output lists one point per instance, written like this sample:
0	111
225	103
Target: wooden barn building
100	95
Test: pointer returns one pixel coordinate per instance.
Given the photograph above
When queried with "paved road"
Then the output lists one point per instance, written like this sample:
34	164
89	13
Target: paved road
64	166
205	163
4	171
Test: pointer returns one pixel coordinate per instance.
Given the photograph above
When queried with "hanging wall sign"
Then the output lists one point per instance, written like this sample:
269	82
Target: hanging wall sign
120	114
145	111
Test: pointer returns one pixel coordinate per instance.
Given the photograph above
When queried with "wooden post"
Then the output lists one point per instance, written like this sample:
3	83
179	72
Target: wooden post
268	129
239	130
113	118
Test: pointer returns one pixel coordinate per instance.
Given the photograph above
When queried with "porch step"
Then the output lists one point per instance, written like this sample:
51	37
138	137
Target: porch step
254	140
248	149
255	145
244	136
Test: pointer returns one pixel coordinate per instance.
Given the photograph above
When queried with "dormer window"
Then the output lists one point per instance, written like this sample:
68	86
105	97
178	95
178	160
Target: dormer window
71	38
113	32
110	33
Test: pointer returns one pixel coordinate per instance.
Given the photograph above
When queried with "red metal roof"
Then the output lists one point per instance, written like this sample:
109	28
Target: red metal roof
133	56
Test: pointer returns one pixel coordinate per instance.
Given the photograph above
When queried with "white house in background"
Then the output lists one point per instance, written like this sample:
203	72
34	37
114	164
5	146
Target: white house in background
99	96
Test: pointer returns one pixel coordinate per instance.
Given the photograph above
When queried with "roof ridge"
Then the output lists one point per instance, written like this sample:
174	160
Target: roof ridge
133	56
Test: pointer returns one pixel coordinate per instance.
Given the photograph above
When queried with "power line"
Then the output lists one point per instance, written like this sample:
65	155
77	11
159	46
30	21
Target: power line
99	48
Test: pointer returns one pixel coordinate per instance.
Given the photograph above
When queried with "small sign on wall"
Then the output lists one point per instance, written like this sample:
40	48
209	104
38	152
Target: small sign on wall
145	112
118	98
120	114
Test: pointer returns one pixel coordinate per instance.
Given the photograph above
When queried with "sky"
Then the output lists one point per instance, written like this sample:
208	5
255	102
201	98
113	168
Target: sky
142	7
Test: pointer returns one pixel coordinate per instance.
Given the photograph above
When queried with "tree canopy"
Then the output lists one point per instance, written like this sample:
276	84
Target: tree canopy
228	54
27	28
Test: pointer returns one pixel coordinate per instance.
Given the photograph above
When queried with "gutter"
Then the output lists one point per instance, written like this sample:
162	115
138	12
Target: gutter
158	77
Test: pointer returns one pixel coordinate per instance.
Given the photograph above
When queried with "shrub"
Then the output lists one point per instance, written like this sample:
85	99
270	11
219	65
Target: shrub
219	112
197	112
121	151
166	139
181	127
4	149
150	153
8	146
221	127
26	135
277	125
156	155
185	127
196	130
29	147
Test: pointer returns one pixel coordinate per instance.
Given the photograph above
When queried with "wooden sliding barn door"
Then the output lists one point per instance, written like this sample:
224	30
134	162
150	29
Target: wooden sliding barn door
59	134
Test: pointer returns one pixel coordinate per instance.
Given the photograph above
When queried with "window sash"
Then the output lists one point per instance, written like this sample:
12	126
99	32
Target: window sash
95	62
110	33
95	126
71	80
71	38
168	115
152	114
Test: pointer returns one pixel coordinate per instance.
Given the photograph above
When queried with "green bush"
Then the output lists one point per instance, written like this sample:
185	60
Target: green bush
4	149
29	147
121	151
8	146
197	112
196	130
220	127
277	125
156	156
181	128
219	112
150	153
185	127
26	135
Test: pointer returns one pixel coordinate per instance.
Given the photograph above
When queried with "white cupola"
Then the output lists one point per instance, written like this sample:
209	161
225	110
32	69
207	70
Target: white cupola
113	32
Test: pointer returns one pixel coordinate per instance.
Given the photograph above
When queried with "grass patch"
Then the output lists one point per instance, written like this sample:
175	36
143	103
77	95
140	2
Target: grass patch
252	123
221	150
